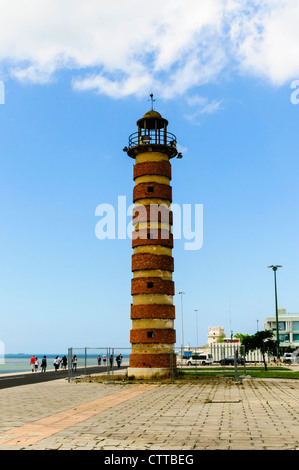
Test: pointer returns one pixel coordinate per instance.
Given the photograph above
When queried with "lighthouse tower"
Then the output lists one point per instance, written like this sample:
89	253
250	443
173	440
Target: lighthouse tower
152	311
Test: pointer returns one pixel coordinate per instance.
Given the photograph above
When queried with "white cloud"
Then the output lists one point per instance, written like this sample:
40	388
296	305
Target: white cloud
265	36
130	48
203	106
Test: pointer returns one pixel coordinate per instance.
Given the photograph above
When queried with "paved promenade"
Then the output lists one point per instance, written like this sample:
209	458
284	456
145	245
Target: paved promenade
25	378
206	415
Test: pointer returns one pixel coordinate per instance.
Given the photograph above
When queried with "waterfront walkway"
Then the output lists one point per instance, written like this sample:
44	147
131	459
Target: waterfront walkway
25	378
206	415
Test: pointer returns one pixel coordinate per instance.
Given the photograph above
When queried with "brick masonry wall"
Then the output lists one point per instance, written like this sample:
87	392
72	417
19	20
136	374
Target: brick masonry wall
152	213
152	360
140	336
151	285
152	311
152	190
145	261
141	261
152	237
162	168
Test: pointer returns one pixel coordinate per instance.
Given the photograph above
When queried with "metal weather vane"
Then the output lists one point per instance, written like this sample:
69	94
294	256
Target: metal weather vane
152	100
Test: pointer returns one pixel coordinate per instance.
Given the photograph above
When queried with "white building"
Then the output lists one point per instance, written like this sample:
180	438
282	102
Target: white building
215	332
288	327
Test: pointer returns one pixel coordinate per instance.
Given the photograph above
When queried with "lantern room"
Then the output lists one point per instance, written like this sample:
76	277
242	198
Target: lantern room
152	133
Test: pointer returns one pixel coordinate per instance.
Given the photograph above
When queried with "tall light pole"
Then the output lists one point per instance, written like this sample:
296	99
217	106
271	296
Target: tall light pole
274	268
181	293
196	310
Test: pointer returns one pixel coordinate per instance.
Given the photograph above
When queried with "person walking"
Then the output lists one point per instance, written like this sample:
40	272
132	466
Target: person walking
44	364
64	362
118	360
99	360
111	361
74	363
104	359
36	364
56	363
32	361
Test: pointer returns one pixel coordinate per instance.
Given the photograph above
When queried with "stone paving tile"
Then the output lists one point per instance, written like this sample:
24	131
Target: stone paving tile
203	416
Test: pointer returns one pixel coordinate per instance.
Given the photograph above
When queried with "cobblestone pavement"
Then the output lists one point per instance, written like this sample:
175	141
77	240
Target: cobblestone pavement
207	415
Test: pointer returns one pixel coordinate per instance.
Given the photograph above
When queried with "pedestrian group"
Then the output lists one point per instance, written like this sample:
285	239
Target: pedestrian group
34	362
58	361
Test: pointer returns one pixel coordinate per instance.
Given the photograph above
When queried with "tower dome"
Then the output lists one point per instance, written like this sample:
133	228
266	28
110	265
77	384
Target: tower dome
152	114
152	120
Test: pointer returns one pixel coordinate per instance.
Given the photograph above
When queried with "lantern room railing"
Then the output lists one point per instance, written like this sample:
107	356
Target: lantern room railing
152	137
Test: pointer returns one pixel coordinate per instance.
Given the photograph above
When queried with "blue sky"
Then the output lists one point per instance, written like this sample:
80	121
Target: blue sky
61	156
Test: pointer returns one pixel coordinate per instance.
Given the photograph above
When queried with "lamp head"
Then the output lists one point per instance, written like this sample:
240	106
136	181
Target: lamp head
275	267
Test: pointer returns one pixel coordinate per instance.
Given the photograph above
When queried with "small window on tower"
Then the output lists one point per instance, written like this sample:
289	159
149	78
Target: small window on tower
150	189
150	334
150	285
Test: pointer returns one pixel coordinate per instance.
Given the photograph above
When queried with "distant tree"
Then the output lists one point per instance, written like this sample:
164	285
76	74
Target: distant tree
240	336
220	339
261	340
289	349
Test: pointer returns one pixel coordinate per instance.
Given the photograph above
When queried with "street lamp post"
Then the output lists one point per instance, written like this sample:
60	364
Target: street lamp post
181	293
196	310
274	268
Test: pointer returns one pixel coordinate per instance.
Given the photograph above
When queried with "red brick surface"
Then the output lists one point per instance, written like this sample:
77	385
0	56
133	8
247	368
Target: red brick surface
152	311
161	191
140	336
152	360
162	168
159	286
149	261
152	213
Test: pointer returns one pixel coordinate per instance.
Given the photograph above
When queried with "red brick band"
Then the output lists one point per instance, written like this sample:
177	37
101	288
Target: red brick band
162	168
153	360
152	237
151	285
152	311
152	190
153	336
142	261
152	213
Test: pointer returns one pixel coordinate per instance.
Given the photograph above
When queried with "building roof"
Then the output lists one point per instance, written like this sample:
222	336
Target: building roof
285	316
153	114
152	120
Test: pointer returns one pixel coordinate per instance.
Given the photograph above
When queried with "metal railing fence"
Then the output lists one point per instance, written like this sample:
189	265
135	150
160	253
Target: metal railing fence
152	137
102	360
105	360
